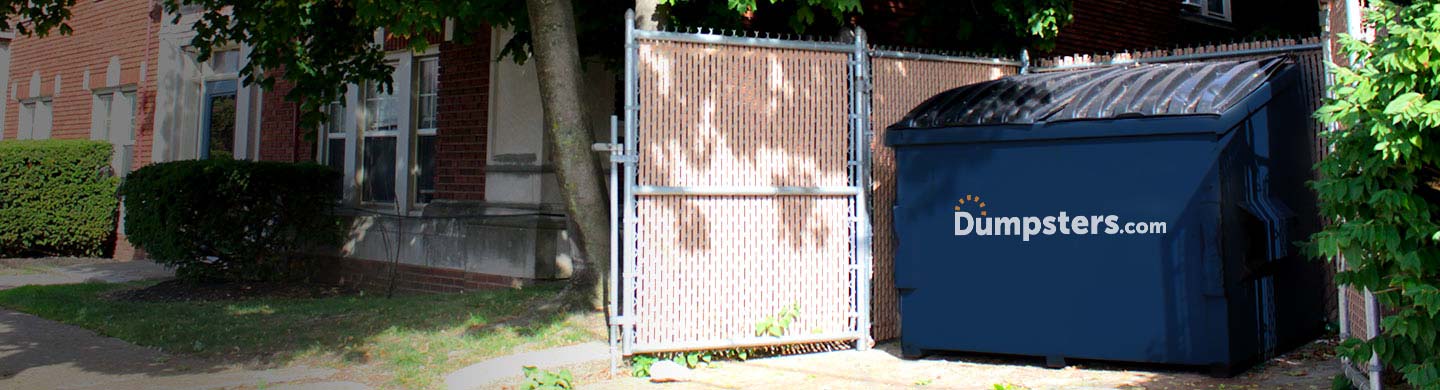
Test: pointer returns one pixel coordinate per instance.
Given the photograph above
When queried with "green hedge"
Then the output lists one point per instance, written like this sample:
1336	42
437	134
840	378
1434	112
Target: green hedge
57	197
229	219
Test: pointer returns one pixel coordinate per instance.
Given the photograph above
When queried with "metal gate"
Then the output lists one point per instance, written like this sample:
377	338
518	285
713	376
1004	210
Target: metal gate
740	193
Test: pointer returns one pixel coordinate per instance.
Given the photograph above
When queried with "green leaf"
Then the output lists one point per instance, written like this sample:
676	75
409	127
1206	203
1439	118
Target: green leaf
1401	103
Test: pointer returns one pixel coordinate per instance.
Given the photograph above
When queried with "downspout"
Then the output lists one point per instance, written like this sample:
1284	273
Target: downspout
295	134
158	14
1353	27
1342	311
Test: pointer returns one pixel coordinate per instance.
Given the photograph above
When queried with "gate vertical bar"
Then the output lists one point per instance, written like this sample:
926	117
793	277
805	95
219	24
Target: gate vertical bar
860	114
613	294
628	235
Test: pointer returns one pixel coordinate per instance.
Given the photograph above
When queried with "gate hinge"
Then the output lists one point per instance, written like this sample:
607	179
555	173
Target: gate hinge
624	159
622	320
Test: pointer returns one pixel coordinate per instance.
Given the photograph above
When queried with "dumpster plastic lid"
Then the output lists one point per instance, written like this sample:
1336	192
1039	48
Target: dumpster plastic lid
1101	93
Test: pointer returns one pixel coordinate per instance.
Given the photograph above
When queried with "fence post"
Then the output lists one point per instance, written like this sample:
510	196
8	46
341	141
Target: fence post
627	236
860	114
1024	61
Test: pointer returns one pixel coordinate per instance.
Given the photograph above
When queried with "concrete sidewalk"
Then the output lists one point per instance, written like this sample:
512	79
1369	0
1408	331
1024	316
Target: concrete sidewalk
97	271
36	353
491	373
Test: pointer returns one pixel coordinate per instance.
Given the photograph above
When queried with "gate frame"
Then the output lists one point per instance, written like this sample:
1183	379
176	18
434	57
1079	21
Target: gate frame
623	308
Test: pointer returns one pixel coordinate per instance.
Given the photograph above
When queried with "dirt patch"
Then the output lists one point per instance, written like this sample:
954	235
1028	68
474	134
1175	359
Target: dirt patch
181	290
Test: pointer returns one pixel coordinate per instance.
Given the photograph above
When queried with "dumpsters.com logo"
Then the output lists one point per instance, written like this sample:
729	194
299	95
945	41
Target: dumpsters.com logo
1027	226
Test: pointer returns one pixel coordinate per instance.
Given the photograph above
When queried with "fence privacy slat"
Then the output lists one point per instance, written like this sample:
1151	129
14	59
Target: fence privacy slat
900	85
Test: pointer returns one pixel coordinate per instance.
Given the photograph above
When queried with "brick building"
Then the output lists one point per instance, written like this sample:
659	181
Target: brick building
447	175
1101	26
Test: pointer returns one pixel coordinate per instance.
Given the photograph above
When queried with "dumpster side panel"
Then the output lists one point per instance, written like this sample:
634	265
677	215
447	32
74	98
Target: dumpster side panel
1302	289
1065	289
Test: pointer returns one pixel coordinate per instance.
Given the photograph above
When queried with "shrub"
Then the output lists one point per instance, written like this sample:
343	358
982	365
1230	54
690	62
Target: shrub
1381	184
232	220
57	197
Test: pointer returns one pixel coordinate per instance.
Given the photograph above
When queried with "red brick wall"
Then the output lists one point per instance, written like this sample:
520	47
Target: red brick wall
281	138
103	29
1111	25
464	118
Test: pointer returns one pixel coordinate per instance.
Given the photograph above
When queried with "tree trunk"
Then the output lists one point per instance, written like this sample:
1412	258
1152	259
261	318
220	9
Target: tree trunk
557	62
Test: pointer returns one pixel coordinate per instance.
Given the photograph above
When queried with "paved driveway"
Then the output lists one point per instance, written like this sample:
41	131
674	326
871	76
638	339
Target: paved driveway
1310	367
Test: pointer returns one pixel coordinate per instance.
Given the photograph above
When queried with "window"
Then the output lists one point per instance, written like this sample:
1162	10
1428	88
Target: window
1219	9
217	120
393	157
219	104
113	119
332	145
1213	9
381	130
35	119
427	101
224	62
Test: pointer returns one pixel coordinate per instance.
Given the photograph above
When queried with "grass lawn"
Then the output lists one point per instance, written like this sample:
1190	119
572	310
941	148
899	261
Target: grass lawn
407	341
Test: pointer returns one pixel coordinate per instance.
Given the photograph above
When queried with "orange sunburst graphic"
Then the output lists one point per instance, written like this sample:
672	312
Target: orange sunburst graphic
972	199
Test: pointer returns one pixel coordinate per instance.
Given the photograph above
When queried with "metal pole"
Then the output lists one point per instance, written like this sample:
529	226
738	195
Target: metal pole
629	273
614	295
1372	330
744	191
1024	61
1353	26
905	55
860	94
715	39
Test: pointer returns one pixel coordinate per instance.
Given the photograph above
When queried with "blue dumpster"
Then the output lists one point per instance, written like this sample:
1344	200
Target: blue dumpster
1146	213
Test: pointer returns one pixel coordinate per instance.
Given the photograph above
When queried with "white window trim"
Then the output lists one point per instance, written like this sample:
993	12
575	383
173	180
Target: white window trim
405	85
